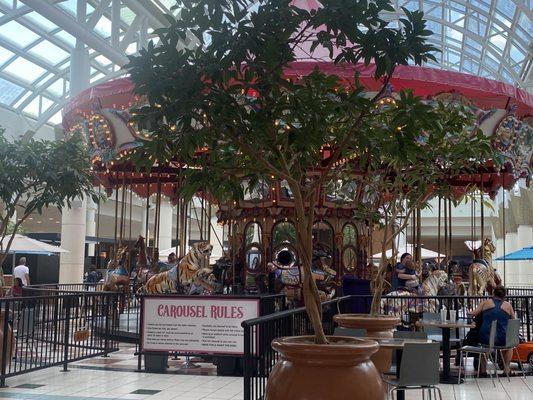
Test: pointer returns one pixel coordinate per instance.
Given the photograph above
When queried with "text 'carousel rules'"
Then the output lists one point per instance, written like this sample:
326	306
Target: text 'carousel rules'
196	325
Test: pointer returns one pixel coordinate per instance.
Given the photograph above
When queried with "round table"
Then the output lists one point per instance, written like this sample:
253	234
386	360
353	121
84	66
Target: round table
446	327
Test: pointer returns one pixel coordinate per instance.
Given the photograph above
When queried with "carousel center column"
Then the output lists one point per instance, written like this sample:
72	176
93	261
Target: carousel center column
74	220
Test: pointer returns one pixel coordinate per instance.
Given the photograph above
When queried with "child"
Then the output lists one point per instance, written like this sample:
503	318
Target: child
17	288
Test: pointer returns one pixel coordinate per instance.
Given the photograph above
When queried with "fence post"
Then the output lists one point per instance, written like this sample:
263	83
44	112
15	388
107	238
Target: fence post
107	318
56	321
247	362
5	357
67	305
528	321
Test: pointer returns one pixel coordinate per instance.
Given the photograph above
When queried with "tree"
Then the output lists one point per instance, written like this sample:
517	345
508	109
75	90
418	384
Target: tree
229	94
417	149
37	174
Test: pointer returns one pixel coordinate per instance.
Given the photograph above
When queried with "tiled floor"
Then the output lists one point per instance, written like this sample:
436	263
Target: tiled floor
113	378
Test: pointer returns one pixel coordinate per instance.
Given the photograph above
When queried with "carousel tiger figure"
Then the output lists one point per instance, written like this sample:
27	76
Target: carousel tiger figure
189	276
482	276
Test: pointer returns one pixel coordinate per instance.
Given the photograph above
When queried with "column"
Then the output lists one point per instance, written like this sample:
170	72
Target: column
524	239
91	224
217	232
165	225
513	272
74	220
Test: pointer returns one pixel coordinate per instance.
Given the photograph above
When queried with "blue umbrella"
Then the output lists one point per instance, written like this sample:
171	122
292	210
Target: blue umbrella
525	254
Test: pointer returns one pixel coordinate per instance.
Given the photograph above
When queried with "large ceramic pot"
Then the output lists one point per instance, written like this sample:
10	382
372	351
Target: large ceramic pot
339	370
380	326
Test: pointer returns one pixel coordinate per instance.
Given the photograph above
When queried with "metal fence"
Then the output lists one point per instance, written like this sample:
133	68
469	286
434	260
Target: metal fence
52	328
259	357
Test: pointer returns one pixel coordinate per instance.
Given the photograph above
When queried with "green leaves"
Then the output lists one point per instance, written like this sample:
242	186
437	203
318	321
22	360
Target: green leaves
38	174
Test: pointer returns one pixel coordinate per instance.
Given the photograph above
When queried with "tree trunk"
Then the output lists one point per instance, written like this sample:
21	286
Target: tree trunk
304	245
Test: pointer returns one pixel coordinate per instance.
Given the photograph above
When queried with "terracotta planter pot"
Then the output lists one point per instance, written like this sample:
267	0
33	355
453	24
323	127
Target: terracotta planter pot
380	326
339	370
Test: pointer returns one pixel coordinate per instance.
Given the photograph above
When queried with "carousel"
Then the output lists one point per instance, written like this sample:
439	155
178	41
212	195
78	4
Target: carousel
258	233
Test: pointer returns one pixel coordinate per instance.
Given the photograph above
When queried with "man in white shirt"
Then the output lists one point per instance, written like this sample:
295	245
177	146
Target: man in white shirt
22	271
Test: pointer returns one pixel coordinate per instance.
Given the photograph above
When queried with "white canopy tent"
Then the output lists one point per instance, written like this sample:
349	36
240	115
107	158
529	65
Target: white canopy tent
410	248
27	245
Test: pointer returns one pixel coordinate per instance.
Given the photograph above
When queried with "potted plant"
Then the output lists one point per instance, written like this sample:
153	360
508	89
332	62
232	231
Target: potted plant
231	104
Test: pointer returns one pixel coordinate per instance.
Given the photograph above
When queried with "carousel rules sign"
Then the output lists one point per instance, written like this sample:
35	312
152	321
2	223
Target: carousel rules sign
196	324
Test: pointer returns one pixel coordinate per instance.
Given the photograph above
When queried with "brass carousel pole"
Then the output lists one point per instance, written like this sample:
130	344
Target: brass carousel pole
482	219
178	209
438	232
449	234
418	235
98	264
116	225
147	222
446	251
503	233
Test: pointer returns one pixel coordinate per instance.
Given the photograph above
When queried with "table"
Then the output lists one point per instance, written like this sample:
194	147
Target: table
446	327
397	344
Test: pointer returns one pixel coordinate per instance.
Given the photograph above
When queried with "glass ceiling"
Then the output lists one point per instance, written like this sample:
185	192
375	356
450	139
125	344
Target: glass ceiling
489	38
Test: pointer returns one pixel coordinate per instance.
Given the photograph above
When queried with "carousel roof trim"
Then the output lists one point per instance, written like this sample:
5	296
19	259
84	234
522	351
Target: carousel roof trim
490	39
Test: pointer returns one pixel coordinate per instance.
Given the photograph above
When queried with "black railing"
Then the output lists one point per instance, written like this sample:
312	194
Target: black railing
259	357
55	329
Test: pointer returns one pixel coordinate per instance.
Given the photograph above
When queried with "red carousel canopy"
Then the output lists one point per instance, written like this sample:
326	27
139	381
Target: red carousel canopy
425	82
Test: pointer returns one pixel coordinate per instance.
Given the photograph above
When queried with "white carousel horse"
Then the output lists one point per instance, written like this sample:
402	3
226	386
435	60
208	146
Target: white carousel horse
481	275
430	287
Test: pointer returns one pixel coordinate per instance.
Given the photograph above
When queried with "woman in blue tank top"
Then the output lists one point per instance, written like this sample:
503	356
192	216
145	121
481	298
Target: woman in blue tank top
496	309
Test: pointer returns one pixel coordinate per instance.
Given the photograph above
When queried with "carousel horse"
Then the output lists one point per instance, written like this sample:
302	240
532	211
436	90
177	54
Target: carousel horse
144	270
118	276
289	280
189	276
481	275
430	287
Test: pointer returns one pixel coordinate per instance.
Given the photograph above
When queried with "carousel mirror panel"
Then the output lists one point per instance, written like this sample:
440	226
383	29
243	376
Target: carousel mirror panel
256	191
284	232
253	234
254	258
349	248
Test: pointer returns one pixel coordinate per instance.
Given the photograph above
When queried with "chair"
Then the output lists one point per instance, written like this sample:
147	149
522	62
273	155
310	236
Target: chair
511	342
484	351
433	333
419	369
340	331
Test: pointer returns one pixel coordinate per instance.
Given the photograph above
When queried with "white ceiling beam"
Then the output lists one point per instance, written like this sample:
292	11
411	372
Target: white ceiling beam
70	25
98	13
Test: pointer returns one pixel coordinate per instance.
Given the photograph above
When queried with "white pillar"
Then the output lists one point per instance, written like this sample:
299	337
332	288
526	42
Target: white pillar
216	231
74	220
73	239
91	224
165	225
524	239
512	270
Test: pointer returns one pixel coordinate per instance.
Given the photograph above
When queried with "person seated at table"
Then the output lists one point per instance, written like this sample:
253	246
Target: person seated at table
495	309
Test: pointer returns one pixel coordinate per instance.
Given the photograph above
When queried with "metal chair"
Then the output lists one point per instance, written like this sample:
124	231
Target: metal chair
340	331
511	342
484	351
433	333
419	370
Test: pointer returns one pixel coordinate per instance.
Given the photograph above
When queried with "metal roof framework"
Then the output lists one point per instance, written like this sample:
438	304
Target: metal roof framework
488	38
